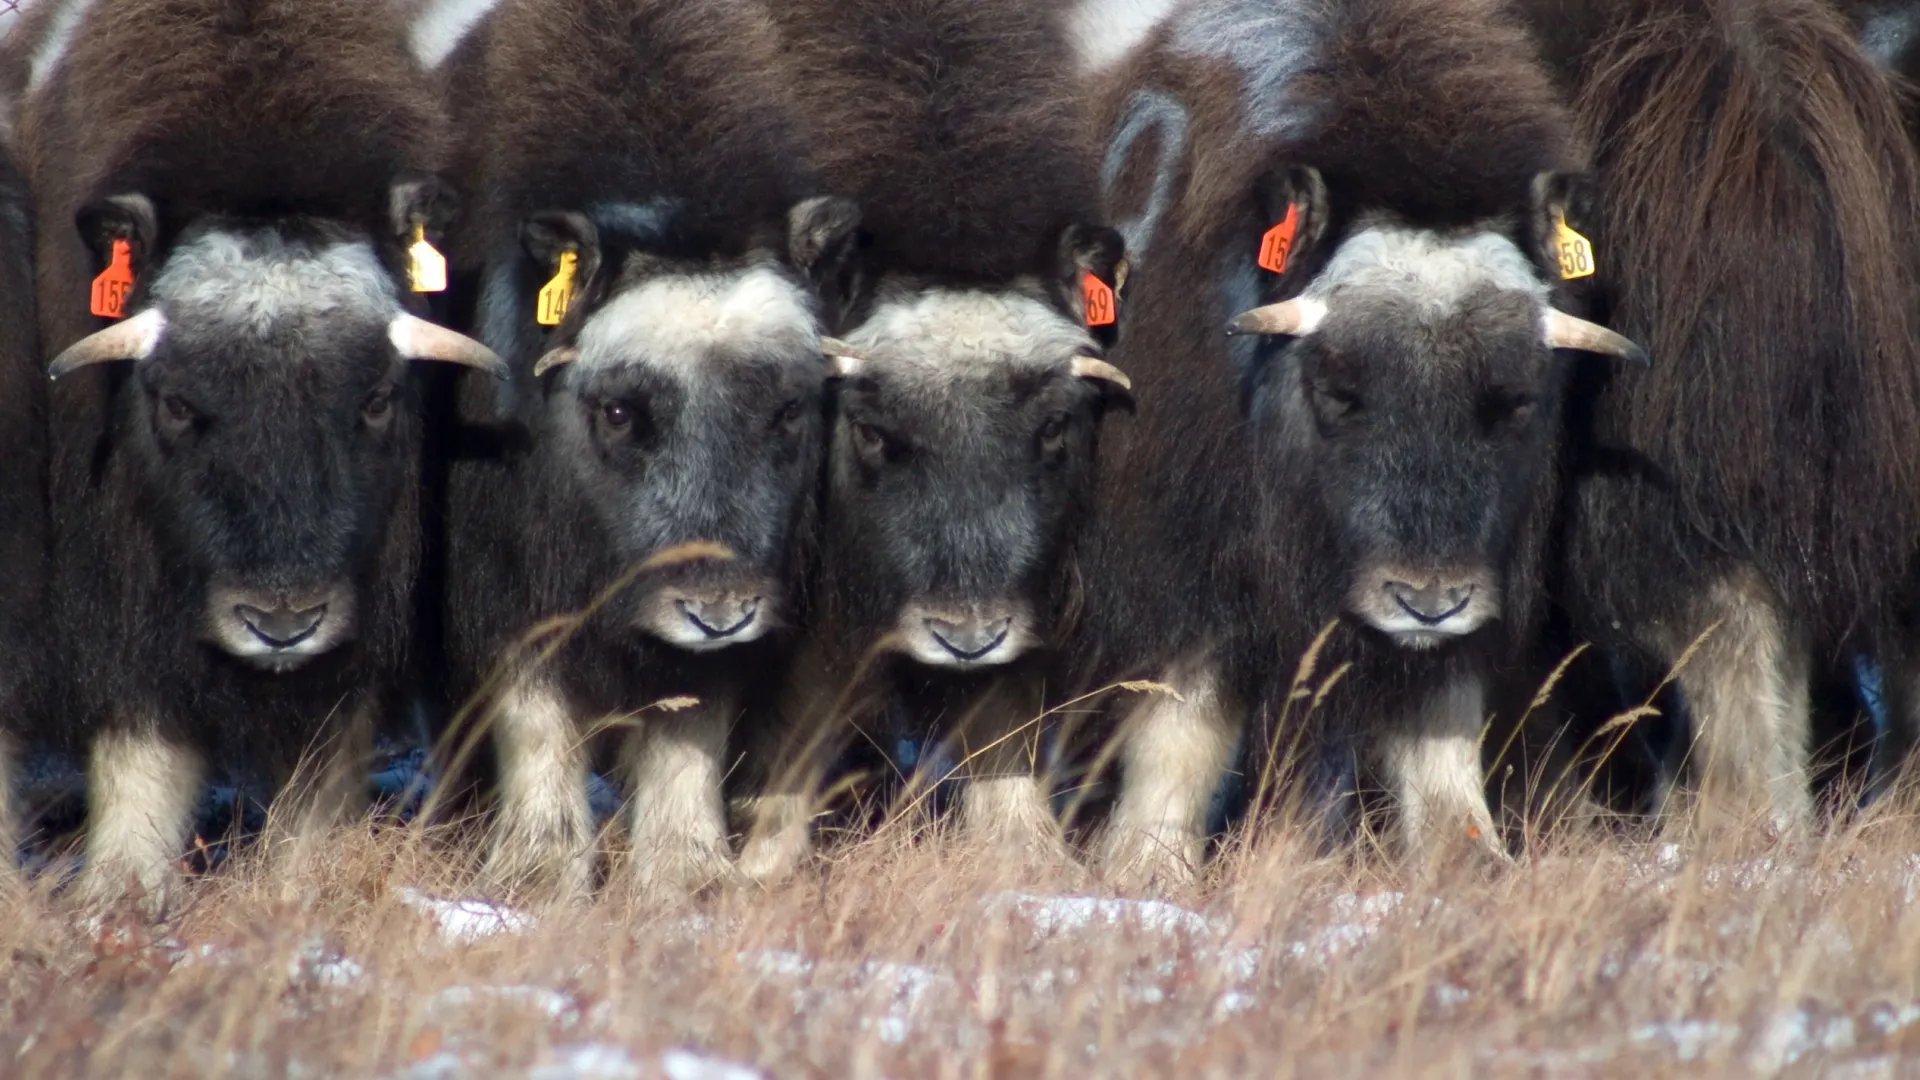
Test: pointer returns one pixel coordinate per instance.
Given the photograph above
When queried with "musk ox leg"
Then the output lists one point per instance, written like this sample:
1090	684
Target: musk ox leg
331	787
542	836
1005	798
675	765
787	760
1173	753
1431	764
142	791
1746	685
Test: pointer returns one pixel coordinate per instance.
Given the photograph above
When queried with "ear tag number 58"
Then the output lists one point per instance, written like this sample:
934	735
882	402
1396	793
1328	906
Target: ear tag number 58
1573	251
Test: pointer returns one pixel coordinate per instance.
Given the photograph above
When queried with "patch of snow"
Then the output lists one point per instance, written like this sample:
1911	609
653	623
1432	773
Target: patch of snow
465	921
1794	1033
1054	915
588	1061
1689	1039
1357	919
685	1065
556	1005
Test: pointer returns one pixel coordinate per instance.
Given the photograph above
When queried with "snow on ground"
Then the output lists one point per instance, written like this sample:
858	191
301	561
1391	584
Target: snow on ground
464	921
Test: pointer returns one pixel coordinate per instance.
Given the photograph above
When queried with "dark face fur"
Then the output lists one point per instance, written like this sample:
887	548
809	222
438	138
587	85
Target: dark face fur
1417	410
271	434
269	427
961	460
690	411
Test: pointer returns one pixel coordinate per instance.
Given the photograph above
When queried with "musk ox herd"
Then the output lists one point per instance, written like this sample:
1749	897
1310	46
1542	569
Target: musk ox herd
1167	409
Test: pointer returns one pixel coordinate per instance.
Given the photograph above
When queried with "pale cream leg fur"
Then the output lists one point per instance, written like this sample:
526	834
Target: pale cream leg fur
1173	754
542	836
141	795
1431	765
790	767
675	764
1746	687
1004	801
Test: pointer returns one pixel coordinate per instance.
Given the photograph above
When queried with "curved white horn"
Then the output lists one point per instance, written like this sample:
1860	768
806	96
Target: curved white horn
415	338
553	358
1563	331
1092	367
846	360
129	339
1298	316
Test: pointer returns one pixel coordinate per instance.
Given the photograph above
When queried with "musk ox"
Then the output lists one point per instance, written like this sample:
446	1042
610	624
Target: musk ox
234	455
647	153
966	406
1755	496
1370	198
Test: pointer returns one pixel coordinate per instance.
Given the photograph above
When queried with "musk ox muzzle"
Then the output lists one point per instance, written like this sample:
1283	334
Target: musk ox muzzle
279	629
1421	607
965	635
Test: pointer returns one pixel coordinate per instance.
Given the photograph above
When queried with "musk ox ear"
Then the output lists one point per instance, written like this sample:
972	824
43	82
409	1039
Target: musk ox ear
823	243
419	198
1557	198
549	234
1293	212
1089	268
130	217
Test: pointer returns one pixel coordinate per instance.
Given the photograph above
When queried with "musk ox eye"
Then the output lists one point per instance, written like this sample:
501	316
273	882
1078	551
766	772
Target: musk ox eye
1498	407
869	440
377	410
176	416
1335	403
788	418
1053	435
616	416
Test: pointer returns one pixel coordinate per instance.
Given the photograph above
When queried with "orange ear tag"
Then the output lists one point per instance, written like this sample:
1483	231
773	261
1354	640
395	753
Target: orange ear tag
557	295
1099	297
426	267
1277	242
110	289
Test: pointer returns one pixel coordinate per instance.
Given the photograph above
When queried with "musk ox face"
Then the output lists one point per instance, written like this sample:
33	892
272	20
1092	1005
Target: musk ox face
1417	396
270	428
961	458
689	409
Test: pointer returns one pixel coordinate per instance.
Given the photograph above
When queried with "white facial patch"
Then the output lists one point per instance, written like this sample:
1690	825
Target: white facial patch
957	330
1102	32
251	283
677	321
52	47
1438	272
442	26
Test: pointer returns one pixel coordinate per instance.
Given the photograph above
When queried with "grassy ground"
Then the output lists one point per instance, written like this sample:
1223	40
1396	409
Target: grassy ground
910	956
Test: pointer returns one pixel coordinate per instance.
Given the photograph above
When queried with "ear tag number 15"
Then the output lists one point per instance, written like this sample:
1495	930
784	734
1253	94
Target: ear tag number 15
111	287
557	295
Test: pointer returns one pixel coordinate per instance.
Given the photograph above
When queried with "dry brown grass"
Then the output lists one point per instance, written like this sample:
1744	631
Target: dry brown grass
906	956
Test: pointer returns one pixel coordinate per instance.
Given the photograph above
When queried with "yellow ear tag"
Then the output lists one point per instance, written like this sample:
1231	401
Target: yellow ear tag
426	268
1574	251
557	295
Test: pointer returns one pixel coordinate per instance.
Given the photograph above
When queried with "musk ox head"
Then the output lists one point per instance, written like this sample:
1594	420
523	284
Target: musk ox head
680	401
267	417
1412	390
960	458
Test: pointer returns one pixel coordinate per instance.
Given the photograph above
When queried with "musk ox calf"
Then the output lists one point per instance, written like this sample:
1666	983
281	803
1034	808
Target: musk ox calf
23	500
966	406
1758	493
645	152
233	425
1370	198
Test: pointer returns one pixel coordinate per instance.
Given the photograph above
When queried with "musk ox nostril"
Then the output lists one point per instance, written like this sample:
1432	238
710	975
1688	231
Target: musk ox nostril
1432	604
720	618
972	639
281	628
